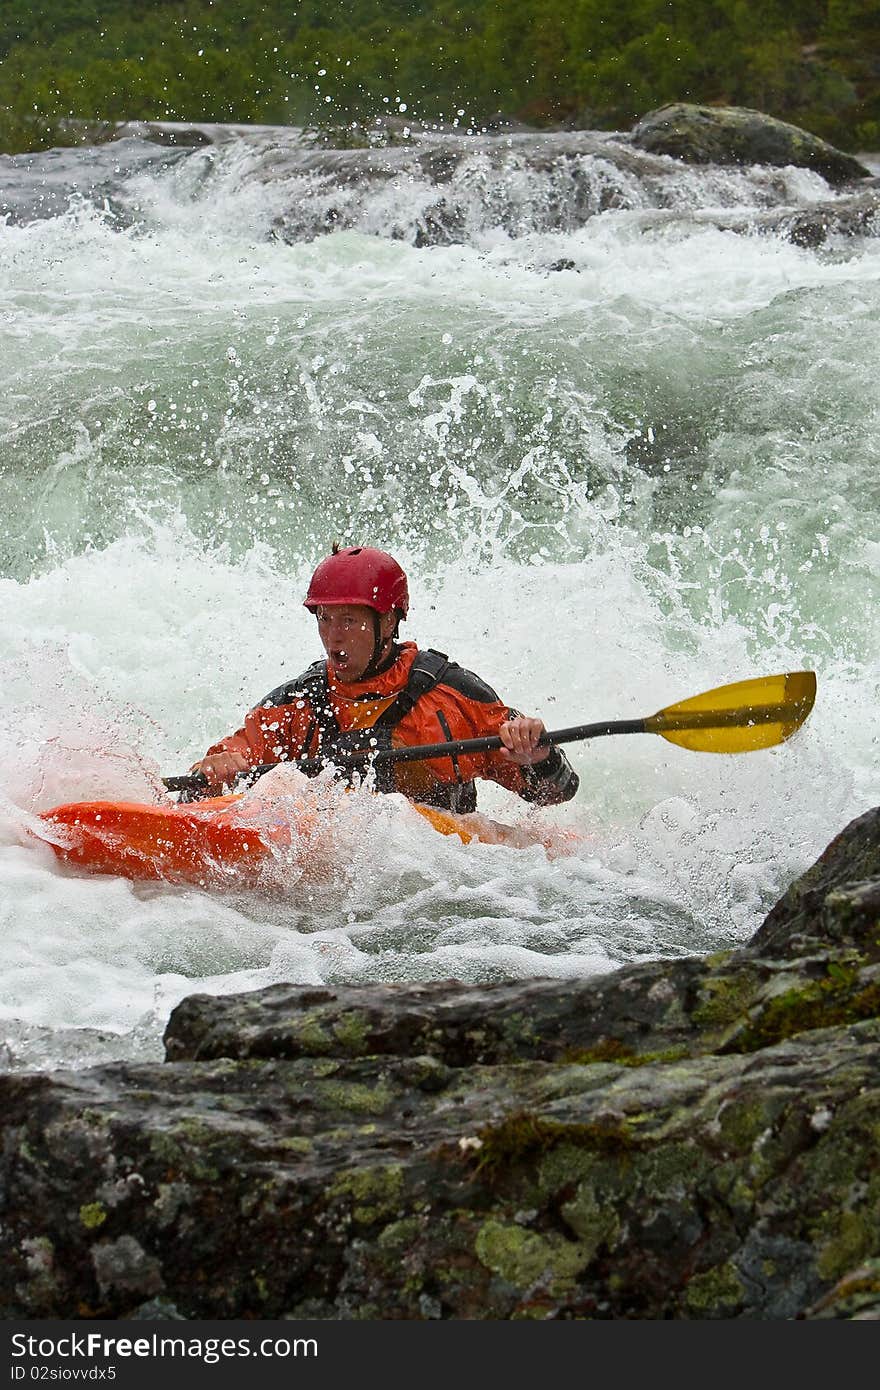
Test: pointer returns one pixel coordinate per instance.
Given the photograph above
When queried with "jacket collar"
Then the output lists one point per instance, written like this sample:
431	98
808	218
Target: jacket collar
387	682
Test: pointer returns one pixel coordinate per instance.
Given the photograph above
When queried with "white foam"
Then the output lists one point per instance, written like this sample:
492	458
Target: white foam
479	415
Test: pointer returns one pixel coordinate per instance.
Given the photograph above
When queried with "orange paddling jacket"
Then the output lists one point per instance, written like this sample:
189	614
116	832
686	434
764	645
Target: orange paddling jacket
422	697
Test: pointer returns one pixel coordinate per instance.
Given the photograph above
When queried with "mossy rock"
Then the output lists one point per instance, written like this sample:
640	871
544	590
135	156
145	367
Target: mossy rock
739	135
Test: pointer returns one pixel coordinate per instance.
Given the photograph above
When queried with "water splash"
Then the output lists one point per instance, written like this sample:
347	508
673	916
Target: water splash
625	456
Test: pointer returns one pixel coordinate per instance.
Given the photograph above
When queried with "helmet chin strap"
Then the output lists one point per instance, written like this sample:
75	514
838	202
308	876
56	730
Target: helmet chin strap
375	663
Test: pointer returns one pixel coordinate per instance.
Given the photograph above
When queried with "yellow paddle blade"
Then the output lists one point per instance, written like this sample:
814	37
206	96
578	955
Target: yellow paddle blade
741	717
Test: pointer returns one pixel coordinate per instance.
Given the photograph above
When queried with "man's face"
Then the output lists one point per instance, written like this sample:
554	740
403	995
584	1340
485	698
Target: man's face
347	636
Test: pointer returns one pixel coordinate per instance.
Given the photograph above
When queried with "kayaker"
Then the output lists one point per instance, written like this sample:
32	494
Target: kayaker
373	690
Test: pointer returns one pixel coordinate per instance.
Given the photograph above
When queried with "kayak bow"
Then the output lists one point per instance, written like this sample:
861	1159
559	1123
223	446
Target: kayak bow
223	838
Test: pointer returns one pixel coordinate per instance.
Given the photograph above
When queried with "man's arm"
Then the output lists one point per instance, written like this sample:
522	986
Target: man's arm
270	734
225	760
536	772
547	776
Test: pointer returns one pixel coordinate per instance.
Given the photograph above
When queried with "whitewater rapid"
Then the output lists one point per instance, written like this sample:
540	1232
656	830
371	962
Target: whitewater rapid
623	461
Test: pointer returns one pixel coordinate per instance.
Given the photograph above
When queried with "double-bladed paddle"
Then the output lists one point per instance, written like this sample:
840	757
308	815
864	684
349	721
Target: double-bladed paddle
737	718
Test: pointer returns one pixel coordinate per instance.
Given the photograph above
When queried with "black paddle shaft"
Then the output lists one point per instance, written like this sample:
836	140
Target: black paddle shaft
196	781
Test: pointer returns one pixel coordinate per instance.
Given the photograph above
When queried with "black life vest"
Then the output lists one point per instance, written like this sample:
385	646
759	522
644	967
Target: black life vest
359	745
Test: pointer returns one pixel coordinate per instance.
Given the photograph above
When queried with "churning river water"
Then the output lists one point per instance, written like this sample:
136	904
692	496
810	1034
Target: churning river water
624	436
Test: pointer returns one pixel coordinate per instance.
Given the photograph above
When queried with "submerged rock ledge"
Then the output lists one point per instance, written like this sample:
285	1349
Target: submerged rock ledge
680	1139
429	185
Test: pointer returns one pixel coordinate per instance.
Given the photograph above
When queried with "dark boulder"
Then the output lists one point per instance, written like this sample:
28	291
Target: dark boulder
738	135
835	903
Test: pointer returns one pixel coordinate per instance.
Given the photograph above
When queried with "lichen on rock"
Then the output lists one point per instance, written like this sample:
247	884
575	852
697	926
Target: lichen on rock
690	1138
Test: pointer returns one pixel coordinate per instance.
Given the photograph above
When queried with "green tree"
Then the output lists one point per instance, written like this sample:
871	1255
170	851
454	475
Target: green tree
816	62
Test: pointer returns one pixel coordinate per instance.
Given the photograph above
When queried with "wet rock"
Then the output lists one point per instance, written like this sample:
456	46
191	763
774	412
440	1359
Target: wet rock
500	124
836	900
442	224
736	1186
738	135
48	183
156	1310
812	227
680	1139
633	1015
433	186
855	1296
122	1266
440	165
178	134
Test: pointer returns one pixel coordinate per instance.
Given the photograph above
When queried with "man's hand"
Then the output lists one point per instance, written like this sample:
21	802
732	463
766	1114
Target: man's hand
221	769
520	738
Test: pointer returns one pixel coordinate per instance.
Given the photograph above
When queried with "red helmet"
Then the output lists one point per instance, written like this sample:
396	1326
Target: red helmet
359	574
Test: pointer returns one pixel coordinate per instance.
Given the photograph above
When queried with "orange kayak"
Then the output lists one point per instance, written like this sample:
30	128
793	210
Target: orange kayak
225	838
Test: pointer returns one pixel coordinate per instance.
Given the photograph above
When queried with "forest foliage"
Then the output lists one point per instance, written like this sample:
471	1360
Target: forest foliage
597	64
